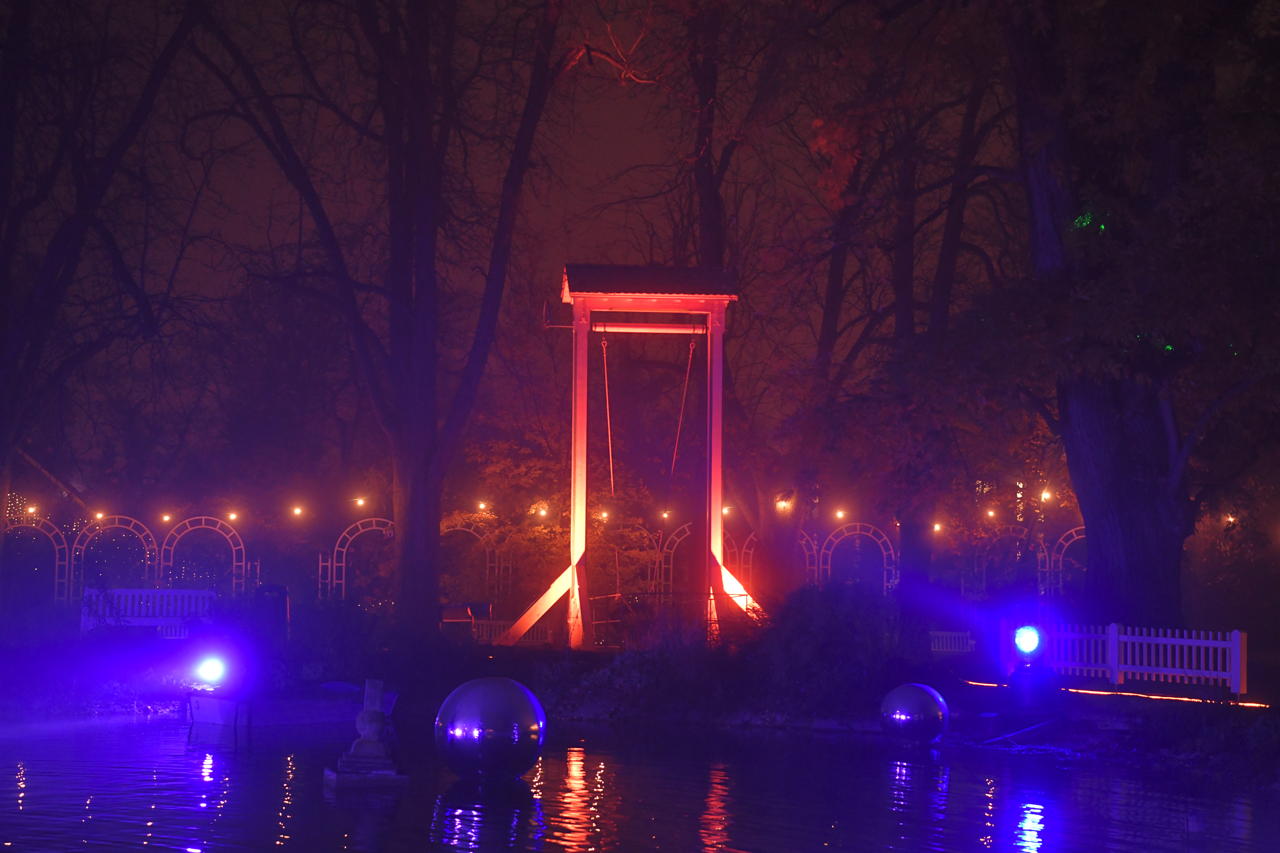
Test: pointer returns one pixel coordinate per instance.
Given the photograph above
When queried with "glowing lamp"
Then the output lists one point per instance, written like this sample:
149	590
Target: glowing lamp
165	517
991	513
359	501
1027	639
724	511
1046	495
297	510
839	513
31	510
666	513
937	528
782	505
211	670
604	514
233	515
542	512
98	516
483	506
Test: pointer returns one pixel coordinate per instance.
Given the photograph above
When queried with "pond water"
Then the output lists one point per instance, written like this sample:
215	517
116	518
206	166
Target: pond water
125	786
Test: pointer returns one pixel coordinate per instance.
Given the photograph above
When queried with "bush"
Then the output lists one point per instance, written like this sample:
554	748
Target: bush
829	652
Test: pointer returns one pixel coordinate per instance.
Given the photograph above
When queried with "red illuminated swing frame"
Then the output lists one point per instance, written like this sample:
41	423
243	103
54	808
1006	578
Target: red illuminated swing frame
646	290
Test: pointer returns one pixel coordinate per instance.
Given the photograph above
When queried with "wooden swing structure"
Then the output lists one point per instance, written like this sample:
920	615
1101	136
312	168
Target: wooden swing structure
697	292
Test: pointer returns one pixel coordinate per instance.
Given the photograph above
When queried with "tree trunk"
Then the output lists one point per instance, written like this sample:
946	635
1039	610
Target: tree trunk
915	557
416	502
1136	520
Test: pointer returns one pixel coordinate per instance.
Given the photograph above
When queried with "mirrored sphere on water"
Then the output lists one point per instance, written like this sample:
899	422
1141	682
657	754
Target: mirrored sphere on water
914	711
490	727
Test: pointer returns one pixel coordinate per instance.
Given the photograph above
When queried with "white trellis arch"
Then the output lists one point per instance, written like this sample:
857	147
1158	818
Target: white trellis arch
497	562
747	558
1058	556
332	574
90	531
61	558
662	576
1018	533
809	547
217	525
888	555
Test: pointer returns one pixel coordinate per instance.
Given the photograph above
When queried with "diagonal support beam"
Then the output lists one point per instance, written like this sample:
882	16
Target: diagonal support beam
538	609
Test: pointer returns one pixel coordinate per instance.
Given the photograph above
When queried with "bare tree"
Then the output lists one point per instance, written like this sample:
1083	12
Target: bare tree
406	131
78	86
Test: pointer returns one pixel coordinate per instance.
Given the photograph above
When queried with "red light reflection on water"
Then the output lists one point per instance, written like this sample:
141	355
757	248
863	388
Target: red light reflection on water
713	827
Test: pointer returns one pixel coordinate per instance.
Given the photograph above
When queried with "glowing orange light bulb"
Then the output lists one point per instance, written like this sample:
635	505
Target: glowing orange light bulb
991	513
359	501
98	516
604	514
542	512
165	517
666	513
839	513
483	506
937	528
297	510
1046	495
31	510
233	515
725	511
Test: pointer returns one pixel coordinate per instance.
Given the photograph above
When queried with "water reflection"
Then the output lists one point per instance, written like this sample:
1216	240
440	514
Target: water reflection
285	813
713	829
1030	827
575	802
147	787
988	836
499	814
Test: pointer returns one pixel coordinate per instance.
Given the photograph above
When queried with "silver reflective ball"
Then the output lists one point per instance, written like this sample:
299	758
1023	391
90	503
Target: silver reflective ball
490	727
914	711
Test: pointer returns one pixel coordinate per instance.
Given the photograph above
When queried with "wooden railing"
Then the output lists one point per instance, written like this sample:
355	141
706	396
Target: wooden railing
485	631
167	610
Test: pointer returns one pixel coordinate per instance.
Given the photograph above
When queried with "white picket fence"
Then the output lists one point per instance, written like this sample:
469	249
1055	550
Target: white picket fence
1170	655
169	611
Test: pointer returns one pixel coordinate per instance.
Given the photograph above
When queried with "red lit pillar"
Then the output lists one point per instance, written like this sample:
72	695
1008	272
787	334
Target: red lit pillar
715	470
579	623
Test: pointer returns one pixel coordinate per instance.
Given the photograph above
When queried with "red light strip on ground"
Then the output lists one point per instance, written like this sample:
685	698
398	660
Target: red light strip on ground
1234	702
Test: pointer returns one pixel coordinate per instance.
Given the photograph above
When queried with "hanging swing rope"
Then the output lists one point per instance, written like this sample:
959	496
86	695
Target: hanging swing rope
608	411
684	396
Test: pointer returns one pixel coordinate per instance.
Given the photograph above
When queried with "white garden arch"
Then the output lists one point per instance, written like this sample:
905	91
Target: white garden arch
61	557
217	525
151	563
888	555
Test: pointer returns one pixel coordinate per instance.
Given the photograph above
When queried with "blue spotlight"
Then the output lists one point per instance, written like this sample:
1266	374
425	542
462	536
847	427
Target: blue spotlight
1027	639
211	670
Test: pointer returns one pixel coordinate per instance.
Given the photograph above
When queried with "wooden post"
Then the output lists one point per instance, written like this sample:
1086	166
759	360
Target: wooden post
1239	662
714	582
1113	654
579	623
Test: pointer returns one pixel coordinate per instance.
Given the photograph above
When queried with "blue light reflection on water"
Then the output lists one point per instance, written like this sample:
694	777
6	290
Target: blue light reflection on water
146	786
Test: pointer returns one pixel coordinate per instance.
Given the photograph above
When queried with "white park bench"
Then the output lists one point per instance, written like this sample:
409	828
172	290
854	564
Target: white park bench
169	611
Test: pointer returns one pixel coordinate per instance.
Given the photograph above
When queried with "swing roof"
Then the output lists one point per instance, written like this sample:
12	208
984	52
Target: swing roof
594	280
